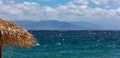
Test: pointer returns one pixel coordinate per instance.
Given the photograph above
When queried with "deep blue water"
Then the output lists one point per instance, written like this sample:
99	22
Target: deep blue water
69	44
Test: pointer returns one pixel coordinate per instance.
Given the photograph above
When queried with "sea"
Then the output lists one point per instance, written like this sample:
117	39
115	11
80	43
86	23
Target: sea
69	44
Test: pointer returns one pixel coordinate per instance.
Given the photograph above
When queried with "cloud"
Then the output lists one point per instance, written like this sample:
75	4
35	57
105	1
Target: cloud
106	2
75	10
99	2
46	0
0	2
83	2
25	10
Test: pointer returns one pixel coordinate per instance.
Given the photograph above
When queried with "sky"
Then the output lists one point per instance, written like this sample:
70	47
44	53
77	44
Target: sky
61	10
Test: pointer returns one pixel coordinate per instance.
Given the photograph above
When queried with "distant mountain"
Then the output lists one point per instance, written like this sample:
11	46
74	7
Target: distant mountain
88	25
58	25
113	24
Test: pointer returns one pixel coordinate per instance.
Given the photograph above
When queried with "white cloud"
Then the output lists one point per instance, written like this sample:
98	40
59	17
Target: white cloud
72	11
83	2
25	10
99	2
106	2
46	0
0	2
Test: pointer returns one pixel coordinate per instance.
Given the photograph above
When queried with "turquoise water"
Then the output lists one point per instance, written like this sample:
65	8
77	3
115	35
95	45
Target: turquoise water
69	44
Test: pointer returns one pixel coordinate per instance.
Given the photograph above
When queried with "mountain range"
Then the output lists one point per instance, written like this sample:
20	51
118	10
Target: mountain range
59	25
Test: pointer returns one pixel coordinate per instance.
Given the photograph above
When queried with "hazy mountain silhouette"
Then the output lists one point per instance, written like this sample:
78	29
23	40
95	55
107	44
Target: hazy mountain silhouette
58	25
